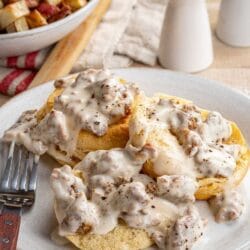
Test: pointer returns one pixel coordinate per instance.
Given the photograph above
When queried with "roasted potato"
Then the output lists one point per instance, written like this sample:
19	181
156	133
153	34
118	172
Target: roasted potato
32	3
19	25
53	2
35	19
76	4
11	12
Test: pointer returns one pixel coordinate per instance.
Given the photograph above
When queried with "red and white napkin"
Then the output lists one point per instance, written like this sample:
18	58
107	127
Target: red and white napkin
17	72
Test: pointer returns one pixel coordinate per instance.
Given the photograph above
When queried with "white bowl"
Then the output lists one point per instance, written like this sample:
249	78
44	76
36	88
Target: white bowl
20	43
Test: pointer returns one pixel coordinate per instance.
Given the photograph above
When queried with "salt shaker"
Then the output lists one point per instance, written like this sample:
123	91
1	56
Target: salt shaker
186	43
233	25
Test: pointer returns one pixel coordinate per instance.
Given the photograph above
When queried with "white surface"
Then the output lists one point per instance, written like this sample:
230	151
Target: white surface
233	25
186	43
20	43
37	224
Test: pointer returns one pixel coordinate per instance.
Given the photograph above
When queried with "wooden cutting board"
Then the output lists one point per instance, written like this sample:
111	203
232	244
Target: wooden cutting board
63	56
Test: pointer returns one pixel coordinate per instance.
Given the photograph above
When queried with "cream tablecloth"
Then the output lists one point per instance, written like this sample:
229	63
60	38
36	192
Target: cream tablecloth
231	65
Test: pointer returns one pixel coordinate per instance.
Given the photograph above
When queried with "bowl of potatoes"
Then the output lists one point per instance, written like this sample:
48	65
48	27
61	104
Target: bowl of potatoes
30	25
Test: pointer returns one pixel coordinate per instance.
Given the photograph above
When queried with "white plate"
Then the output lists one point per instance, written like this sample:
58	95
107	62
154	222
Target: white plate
37	224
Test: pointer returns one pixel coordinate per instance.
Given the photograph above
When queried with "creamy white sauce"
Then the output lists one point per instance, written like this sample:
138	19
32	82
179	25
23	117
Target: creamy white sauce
52	129
227	206
73	207
115	189
177	188
197	142
95	100
92	102
37	137
172	159
21	131
187	229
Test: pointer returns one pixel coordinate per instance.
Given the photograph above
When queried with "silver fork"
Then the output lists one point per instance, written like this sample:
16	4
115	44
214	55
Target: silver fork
18	178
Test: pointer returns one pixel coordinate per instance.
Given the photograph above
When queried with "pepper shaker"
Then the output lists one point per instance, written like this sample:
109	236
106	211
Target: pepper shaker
186	42
233	25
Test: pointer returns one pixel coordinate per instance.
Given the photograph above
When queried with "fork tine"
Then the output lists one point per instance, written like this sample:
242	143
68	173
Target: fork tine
15	180
5	152
25	172
8	168
2	157
33	176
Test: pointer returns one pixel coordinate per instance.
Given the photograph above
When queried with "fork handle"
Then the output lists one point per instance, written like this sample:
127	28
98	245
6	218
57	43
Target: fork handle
9	227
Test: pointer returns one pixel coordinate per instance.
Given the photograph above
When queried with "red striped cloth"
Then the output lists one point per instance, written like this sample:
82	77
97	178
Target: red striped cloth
17	72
